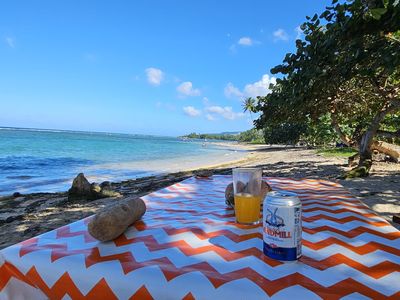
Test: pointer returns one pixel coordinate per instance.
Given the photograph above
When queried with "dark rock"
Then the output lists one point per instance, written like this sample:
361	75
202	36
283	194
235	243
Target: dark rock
203	173
13	218
17	194
32	230
82	189
396	218
105	185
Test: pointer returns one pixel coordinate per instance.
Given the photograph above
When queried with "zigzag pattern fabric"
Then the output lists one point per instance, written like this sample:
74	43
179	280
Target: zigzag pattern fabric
188	246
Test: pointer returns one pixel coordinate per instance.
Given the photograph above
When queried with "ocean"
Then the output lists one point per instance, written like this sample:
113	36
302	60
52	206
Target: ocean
34	160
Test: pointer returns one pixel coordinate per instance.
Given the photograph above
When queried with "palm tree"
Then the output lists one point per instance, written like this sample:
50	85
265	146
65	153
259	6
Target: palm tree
249	104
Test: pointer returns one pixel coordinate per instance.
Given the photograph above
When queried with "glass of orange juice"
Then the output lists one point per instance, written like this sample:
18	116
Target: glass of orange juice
247	193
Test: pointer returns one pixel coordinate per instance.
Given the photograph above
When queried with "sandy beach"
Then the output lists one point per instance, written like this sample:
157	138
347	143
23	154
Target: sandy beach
25	216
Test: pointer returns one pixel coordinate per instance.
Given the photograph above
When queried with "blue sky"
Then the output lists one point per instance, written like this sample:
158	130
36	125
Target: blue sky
151	67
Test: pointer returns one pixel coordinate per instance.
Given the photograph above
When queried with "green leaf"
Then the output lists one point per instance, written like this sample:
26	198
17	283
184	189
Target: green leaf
315	17
377	13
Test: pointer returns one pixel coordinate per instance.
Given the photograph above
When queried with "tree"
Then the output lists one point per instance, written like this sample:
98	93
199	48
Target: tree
347	66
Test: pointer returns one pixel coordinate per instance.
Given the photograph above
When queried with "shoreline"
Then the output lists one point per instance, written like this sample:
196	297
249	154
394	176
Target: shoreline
28	215
212	155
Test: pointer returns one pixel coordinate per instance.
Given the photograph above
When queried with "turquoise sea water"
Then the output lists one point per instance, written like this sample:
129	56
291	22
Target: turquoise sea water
45	160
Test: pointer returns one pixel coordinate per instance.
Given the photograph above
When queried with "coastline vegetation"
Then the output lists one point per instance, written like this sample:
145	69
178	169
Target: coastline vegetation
252	136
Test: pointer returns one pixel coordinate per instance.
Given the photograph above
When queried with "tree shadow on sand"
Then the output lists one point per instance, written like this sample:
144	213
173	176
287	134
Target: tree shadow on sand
301	169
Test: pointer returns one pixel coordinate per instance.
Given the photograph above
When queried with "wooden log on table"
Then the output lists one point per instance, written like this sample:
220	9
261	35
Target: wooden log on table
111	222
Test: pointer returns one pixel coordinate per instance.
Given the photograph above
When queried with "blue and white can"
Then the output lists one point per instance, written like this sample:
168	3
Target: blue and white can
282	226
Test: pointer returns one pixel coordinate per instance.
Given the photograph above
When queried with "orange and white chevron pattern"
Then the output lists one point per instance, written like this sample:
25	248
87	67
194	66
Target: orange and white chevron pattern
188	247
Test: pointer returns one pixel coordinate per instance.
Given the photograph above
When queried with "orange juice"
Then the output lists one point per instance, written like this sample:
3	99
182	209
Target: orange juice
247	208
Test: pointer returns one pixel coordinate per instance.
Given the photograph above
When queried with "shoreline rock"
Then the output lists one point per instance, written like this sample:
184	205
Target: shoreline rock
82	189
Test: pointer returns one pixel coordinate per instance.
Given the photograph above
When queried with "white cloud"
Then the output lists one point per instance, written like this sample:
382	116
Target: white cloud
225	112
191	111
259	88
231	91
186	89
245	41
210	117
299	33
280	35
10	41
154	76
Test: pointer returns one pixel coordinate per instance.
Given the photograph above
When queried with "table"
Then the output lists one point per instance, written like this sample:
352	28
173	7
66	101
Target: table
188	246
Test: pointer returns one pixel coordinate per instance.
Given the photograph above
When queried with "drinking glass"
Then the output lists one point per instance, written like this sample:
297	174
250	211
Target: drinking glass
247	193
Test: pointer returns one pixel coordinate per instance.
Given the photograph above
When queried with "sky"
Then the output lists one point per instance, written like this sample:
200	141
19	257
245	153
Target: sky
165	67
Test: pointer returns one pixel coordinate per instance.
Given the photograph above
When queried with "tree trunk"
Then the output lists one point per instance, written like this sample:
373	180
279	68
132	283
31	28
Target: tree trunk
389	149
367	139
365	145
368	136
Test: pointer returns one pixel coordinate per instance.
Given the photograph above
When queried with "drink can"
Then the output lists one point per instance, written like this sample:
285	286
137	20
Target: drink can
282	226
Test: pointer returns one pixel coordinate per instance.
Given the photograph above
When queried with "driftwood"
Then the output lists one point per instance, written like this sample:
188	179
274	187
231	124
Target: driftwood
389	149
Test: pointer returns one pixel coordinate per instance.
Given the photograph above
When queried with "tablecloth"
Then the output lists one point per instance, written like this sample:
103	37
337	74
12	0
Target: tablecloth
187	246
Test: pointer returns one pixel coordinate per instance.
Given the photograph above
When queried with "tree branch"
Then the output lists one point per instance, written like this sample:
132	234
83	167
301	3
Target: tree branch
388	134
345	139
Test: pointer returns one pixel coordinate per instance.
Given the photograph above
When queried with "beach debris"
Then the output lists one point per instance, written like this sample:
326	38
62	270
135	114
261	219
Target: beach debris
241	187
82	189
111	222
203	173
